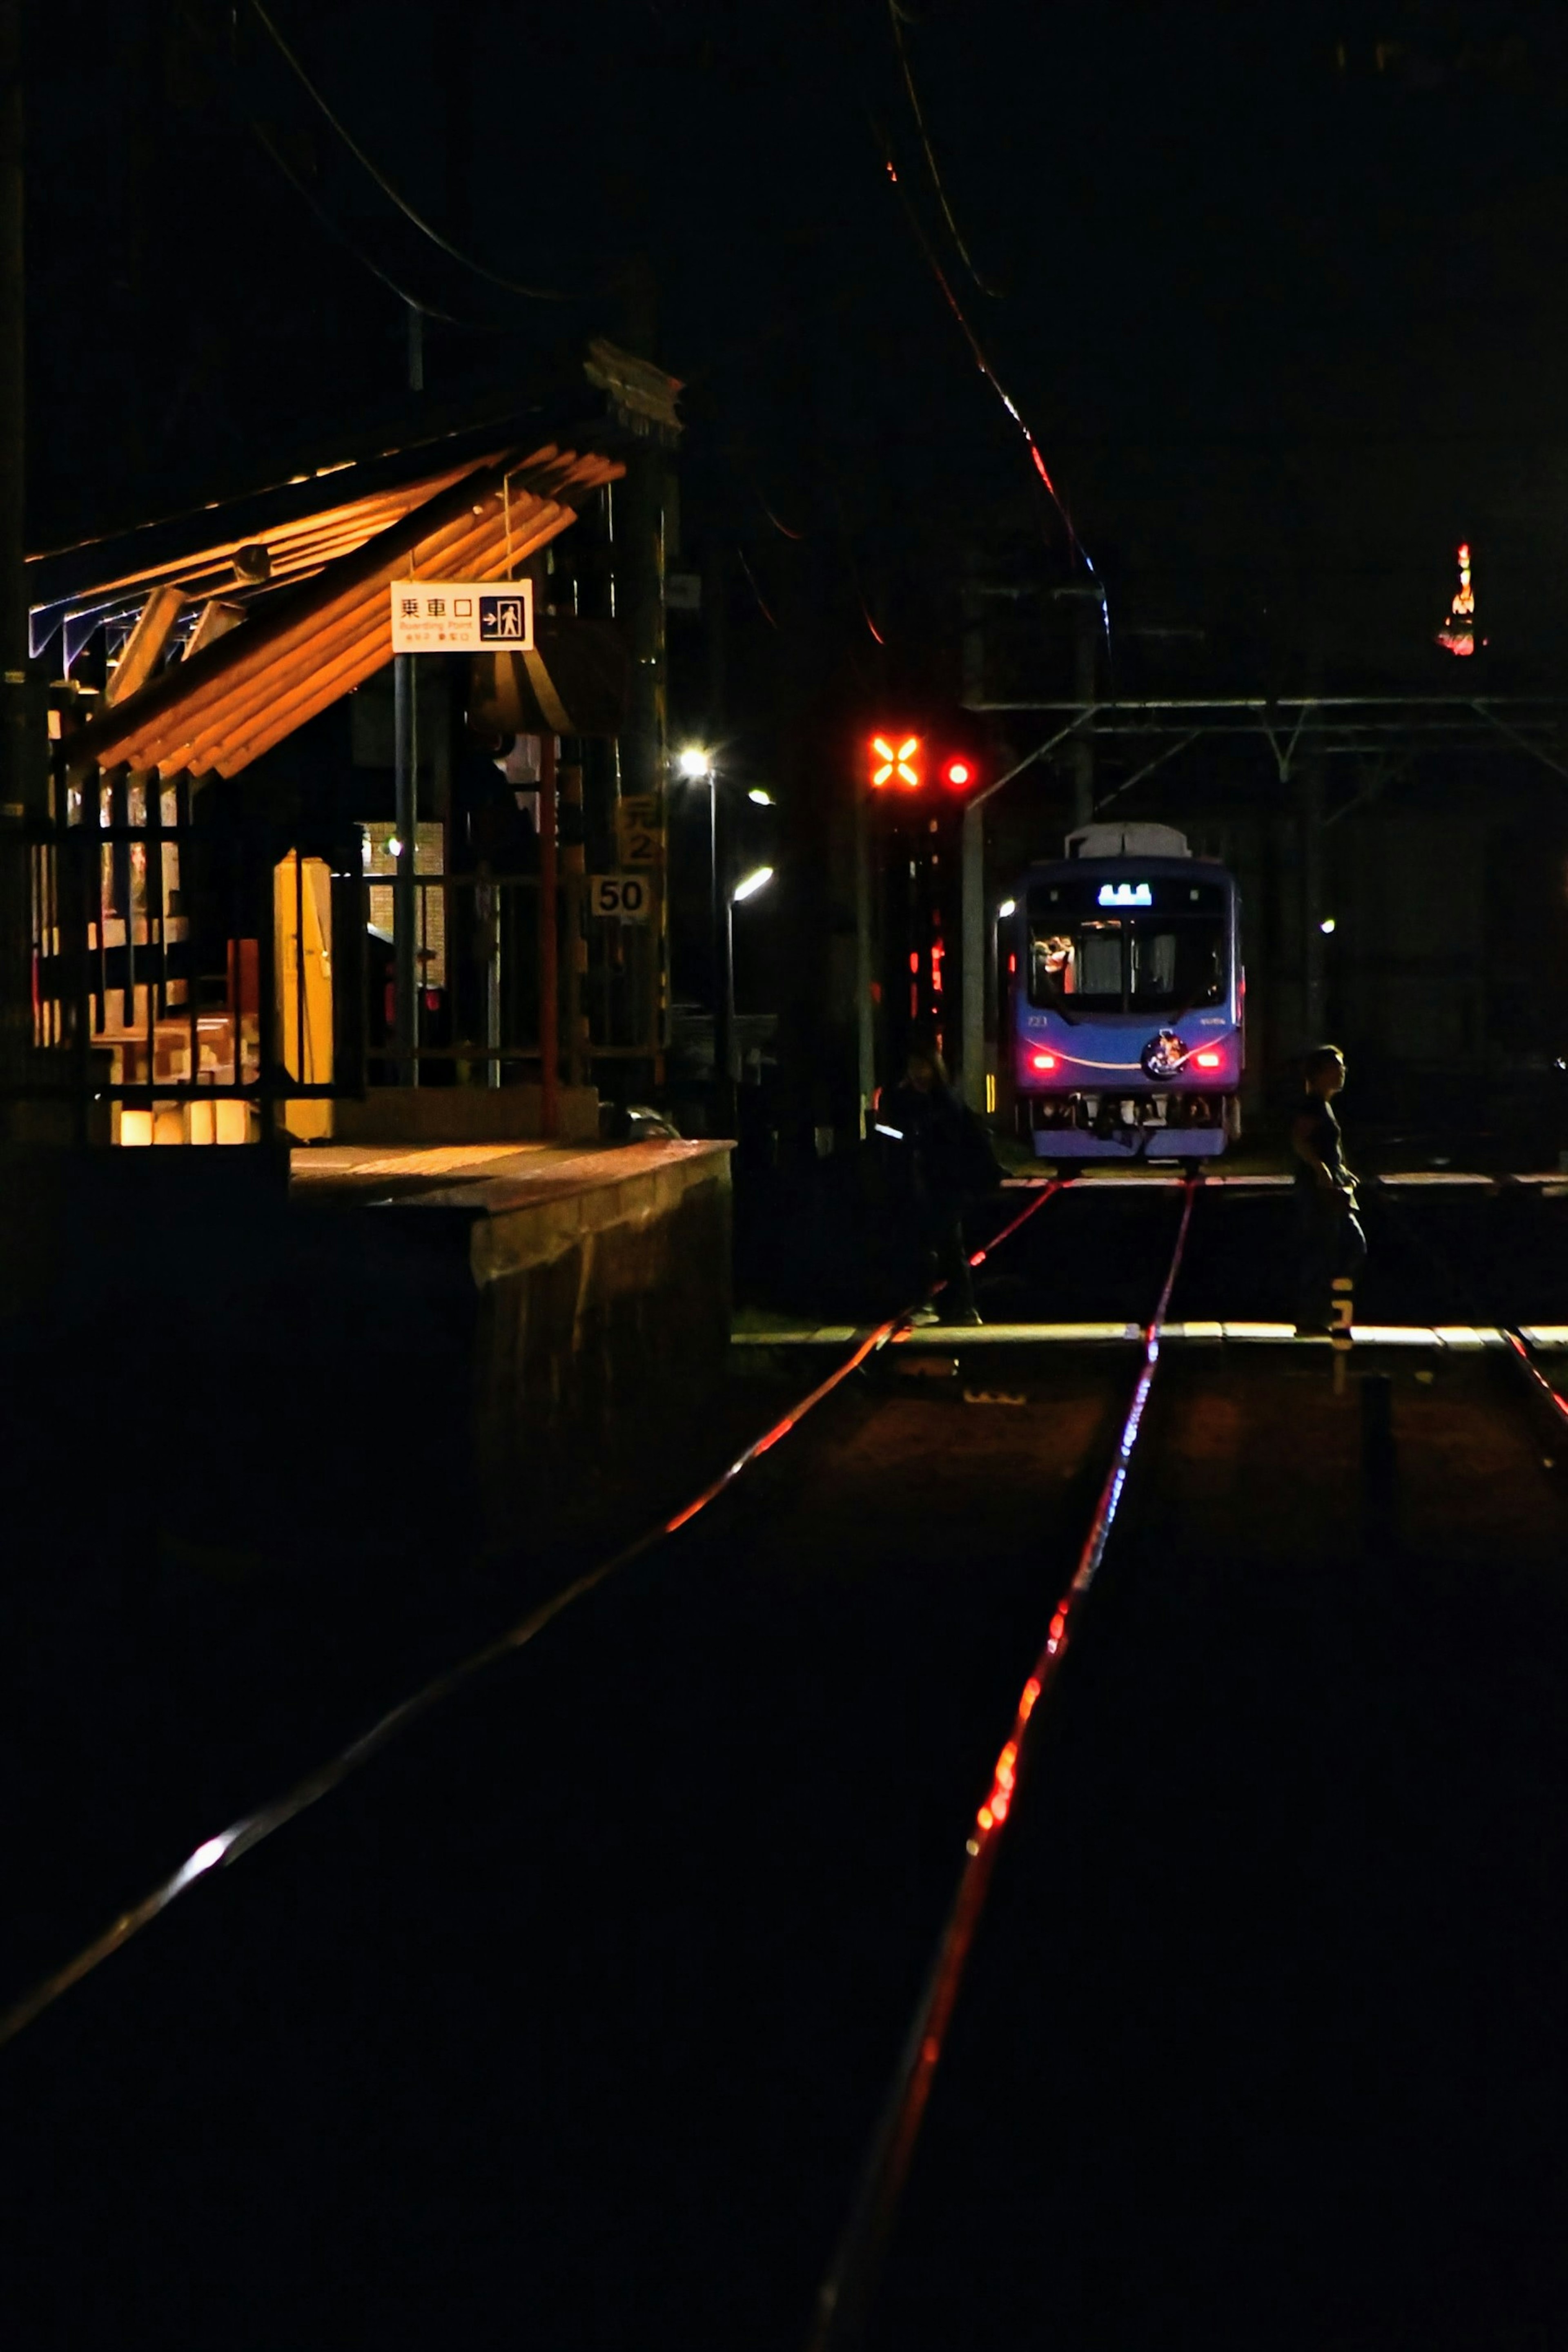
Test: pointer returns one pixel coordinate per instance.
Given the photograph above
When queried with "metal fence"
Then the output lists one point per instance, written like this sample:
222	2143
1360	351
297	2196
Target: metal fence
210	979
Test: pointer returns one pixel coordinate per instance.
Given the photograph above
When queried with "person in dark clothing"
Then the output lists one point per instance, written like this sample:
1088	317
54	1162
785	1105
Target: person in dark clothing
1329	1236
940	1157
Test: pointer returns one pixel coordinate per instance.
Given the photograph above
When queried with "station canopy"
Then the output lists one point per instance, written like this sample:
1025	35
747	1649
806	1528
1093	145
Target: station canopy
233	644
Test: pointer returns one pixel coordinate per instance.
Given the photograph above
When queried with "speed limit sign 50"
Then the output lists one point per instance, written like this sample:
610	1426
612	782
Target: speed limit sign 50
627	896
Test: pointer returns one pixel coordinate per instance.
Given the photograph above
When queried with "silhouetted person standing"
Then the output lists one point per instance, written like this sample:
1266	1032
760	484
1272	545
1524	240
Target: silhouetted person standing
942	1155
1329	1236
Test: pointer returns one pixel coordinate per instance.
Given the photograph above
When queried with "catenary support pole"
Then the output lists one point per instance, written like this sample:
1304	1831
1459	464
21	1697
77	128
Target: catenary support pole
549	949
404	894
14	744
718	936
1310	808
865	1031
1086	613
976	944
575	962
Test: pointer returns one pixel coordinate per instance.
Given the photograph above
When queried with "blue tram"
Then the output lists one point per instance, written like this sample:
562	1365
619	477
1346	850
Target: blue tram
1123	995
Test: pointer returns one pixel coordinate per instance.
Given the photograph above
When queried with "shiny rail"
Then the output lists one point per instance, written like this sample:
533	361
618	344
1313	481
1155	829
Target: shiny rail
845	2295
218	1852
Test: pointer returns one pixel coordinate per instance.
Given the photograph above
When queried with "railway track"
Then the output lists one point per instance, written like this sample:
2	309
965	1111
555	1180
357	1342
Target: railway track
622	1946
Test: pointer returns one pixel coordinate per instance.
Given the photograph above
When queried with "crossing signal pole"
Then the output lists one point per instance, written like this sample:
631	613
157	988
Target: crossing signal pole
15	746
909	778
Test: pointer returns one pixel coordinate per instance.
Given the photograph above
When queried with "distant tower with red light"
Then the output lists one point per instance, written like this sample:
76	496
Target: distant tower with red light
1458	634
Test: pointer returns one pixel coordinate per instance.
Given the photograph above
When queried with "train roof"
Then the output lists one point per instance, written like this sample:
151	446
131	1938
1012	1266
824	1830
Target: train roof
1118	868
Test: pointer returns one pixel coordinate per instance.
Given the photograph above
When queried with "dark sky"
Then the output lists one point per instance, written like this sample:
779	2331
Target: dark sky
1282	287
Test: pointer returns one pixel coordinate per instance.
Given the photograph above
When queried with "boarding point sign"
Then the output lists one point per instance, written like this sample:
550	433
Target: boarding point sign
462	616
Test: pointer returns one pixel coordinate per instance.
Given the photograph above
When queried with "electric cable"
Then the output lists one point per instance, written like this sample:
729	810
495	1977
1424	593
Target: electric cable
479	268
751	581
896	14
350	245
983	362
782	528
855	572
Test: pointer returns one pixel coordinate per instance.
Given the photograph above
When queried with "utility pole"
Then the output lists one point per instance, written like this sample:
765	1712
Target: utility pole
1309	807
865	1031
976	940
404	890
1087	606
406	802
549	948
15	745
725	1071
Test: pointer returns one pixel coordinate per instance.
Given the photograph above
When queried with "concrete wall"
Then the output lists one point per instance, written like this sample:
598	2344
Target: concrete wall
463	1114
192	1361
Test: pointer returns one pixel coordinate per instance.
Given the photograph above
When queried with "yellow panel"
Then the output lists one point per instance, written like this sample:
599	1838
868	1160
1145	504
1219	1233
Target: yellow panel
305	1031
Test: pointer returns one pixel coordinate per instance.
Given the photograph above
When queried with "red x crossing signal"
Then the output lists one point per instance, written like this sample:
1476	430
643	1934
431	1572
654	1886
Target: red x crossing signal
895	761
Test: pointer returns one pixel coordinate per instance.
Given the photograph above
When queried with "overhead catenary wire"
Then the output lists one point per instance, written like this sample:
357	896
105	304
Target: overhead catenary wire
751	583
983	362
393	194
896	14
350	245
782	529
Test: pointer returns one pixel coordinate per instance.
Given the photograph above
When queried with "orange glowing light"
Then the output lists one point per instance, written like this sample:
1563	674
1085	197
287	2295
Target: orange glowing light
1457	635
895	763
986	1817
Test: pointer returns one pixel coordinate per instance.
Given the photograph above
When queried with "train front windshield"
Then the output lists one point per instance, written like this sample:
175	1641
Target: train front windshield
1140	959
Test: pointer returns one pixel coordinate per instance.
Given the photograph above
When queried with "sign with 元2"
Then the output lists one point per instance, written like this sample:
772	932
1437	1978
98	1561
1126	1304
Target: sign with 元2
639	837
623	897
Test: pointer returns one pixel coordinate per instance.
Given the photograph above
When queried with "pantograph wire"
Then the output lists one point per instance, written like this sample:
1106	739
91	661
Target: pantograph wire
350	245
936	180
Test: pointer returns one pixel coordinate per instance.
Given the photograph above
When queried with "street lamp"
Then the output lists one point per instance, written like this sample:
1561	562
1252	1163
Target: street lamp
750	884
698	765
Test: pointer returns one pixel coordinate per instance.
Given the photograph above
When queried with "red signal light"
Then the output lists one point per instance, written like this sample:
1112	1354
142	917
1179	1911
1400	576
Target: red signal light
1208	1061
1042	1062
958	775
894	760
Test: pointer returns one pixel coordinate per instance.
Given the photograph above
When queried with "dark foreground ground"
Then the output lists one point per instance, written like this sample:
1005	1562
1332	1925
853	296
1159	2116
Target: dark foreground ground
565	2022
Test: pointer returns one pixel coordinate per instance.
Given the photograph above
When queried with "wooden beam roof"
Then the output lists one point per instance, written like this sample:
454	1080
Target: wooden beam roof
250	689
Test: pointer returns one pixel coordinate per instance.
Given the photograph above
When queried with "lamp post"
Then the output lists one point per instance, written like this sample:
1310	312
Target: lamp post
746	888
699	766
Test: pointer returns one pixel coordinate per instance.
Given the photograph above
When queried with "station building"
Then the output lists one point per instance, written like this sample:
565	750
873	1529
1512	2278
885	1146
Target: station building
314	928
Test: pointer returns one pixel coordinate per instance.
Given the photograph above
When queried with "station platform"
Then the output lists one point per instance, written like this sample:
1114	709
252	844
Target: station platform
578	1296
374	1352
951	1338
